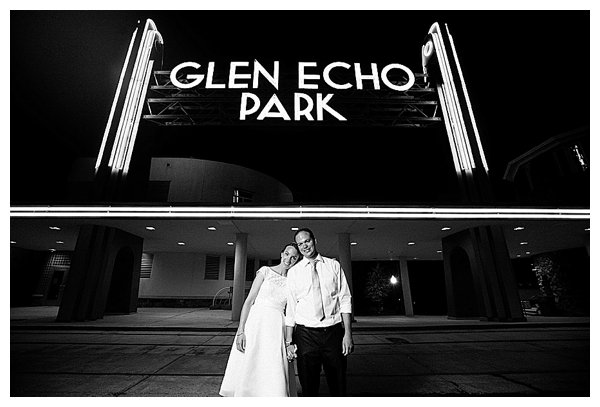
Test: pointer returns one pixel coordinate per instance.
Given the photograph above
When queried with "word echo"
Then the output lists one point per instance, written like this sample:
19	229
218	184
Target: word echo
242	76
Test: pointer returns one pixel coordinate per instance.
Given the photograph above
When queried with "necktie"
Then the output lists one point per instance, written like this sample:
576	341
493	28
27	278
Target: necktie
316	289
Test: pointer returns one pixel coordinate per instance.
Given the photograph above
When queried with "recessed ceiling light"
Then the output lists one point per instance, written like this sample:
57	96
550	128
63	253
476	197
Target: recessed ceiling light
230	243
415	258
411	243
52	250
518	255
519	228
523	243
527	252
446	228
54	228
587	229
60	242
353	243
212	228
295	229
150	228
12	242
438	251
181	243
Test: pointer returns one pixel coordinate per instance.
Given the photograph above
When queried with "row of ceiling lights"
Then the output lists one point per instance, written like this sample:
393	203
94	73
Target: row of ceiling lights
517	229
211	228
295	229
353	243
57	242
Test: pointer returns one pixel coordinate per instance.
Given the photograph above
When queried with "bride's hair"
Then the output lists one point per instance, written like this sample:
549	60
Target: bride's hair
294	245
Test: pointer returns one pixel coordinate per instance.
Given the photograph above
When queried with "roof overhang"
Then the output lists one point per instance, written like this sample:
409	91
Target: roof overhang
379	233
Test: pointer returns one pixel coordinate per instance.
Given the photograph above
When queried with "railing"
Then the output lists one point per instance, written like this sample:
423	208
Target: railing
222	302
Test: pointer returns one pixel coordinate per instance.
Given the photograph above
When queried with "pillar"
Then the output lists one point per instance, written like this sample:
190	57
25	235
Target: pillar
480	281
406	294
104	274
239	275
345	256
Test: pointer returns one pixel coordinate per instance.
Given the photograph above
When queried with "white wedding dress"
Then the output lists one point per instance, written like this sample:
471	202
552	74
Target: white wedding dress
263	369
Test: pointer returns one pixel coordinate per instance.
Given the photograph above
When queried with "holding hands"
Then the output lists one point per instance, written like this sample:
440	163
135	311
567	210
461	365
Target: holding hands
291	349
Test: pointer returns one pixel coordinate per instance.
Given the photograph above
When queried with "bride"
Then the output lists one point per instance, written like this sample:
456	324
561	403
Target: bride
258	363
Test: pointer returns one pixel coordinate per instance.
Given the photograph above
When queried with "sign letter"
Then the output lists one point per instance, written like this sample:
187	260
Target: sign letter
266	112
299	112
302	76
196	78
386	81
244	105
322	105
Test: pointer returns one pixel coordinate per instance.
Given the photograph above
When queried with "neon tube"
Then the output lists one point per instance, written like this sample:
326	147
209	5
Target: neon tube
468	101
135	96
301	213
129	120
109	208
137	118
117	152
116	98
452	103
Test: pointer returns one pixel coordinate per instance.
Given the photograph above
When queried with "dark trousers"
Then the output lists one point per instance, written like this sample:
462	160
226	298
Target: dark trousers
321	347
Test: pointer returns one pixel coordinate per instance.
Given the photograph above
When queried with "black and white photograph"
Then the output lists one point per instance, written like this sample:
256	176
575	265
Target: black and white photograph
300	201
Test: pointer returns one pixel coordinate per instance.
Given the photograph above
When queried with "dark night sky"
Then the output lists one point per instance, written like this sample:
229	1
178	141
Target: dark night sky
528	74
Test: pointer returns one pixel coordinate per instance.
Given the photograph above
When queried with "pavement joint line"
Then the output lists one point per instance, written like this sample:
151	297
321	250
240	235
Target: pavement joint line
117	394
349	374
169	363
120	374
123	391
124	333
355	329
176	332
463	374
167	318
515	381
475	341
460	390
390	343
123	344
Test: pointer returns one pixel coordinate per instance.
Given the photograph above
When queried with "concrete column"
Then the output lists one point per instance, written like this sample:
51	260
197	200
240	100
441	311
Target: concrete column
345	257
239	275
104	274
480	282
406	294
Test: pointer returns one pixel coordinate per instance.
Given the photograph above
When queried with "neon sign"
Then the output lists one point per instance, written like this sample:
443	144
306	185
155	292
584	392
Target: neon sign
309	77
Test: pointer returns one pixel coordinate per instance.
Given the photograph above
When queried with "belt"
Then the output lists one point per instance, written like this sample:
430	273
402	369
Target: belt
320	329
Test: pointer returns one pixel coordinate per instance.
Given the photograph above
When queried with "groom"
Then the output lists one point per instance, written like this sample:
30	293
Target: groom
318	318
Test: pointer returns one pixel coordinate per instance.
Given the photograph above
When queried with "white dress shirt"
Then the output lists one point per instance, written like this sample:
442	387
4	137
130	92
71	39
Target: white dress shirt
334	291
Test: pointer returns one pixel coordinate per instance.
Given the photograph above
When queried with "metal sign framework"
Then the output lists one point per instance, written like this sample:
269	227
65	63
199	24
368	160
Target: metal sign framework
172	106
441	85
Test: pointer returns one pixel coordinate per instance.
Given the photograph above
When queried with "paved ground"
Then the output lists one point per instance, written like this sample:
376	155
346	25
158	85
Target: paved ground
183	352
